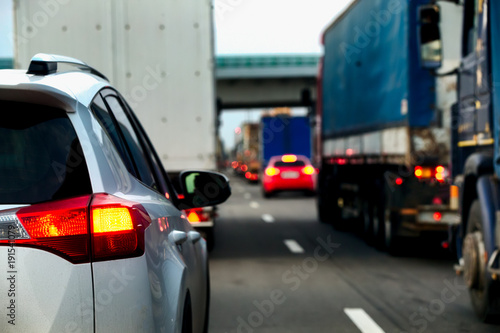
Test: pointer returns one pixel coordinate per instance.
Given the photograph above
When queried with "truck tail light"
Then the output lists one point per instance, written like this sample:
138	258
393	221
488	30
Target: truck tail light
80	229
197	215
439	173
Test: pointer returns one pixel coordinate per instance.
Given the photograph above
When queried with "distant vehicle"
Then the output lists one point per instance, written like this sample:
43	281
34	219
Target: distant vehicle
288	173
90	224
166	76
475	152
284	134
383	136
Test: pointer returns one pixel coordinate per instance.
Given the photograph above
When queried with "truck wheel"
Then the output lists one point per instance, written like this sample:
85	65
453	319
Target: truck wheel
325	211
209	236
367	222
392	241
378	223
481	286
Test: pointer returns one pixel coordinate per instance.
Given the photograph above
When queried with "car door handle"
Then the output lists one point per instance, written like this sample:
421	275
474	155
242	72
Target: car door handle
178	237
194	236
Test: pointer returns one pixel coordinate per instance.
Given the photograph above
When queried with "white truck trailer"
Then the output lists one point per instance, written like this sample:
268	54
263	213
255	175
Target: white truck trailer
158	52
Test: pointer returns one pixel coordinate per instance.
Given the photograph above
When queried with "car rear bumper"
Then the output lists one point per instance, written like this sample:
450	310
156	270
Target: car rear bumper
289	185
45	293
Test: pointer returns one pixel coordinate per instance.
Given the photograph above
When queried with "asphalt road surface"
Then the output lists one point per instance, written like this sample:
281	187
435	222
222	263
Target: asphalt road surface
276	268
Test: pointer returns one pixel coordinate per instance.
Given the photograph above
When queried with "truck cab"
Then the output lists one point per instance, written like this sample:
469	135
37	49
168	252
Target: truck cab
475	153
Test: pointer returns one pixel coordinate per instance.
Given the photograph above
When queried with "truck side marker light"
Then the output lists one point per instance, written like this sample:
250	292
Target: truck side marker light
437	216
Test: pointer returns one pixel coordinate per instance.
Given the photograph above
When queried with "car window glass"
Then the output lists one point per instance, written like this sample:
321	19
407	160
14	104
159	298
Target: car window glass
108	124
131	140
289	164
159	172
40	155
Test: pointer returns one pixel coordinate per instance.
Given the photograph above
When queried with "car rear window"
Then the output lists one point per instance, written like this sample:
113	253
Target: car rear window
40	155
289	164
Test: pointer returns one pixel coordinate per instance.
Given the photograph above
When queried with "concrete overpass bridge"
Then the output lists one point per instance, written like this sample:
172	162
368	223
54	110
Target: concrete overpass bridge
265	81
260	81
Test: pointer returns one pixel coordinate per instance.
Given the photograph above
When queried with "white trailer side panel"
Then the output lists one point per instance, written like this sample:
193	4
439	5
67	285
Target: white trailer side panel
158	53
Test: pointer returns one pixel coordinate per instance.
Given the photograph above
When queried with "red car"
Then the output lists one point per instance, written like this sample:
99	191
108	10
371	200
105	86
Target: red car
289	173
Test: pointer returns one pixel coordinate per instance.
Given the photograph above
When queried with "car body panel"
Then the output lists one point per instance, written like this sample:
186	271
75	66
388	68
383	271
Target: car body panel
50	293
145	293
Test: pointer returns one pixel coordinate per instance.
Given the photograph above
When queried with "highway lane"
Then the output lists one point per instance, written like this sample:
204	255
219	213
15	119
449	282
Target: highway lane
276	268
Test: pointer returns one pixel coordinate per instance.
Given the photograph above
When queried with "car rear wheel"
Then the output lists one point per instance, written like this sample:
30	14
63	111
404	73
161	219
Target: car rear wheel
266	194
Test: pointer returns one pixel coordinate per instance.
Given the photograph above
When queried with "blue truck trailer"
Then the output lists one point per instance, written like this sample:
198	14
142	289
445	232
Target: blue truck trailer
476	155
383	127
284	134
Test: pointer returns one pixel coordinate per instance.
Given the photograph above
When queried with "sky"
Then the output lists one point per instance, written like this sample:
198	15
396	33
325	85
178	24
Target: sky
243	27
273	26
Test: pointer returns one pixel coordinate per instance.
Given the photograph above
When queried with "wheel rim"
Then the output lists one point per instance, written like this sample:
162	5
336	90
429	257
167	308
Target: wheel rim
473	251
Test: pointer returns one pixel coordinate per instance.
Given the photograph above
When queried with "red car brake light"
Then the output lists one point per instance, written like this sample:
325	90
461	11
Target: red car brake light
94	227
308	170
289	158
270	171
60	227
118	227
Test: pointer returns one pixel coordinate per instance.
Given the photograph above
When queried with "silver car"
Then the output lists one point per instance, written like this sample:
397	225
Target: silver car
92	237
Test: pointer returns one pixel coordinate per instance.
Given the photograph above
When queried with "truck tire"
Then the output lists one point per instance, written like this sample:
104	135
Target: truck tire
484	292
367	222
378	226
210	238
392	240
324	206
266	195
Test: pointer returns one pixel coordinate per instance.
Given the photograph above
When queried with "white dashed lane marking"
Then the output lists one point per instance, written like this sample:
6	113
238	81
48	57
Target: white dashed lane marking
363	321
254	204
268	218
293	246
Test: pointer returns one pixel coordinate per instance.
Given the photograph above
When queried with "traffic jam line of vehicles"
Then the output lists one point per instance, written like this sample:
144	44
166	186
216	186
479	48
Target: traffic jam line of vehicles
280	141
403	151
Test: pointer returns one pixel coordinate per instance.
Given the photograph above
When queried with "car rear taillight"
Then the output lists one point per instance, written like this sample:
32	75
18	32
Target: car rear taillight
117	227
308	170
80	229
272	171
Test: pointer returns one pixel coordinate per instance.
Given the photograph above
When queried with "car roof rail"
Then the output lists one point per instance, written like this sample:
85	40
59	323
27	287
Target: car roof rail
45	64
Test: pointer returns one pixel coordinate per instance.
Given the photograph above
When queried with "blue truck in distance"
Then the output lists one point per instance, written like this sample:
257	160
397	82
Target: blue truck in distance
284	134
382	138
475	151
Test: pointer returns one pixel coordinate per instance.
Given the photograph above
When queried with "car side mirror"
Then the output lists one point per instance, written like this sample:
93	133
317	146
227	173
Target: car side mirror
203	189
429	37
